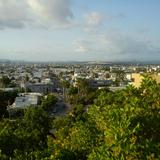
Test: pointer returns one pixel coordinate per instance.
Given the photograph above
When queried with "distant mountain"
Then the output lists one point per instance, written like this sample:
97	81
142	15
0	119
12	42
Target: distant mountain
153	62
4	60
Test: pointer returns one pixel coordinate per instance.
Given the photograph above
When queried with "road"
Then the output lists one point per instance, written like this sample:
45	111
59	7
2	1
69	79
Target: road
60	108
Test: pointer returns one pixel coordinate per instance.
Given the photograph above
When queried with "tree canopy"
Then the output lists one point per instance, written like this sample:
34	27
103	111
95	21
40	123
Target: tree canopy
120	125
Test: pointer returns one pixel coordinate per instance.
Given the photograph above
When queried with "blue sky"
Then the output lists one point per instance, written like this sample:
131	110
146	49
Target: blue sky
63	30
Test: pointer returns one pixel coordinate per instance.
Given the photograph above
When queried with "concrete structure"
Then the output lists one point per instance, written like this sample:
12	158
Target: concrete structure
99	83
25	100
129	76
138	77
8	89
42	88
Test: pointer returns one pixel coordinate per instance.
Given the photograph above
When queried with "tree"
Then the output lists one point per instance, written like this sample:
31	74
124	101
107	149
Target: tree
6	98
26	78
4	81
120	125
49	102
37	127
83	86
65	84
25	137
120	75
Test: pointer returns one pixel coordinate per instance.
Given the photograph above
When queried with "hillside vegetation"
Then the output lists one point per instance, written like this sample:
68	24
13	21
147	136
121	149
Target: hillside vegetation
121	125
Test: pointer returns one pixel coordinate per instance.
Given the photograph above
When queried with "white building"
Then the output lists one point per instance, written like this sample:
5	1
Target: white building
25	100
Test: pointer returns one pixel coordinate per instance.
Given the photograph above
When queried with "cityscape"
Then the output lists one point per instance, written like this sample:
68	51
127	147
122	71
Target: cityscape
79	80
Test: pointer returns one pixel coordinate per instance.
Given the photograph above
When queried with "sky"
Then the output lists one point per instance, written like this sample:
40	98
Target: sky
80	30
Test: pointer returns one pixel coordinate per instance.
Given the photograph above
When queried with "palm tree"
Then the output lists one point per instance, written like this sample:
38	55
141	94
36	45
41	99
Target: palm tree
65	85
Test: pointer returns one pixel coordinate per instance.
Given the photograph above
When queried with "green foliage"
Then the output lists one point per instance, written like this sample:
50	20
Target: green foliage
25	137
26	78
48	102
4	81
81	94
120	76
72	90
5	99
120	125
65	84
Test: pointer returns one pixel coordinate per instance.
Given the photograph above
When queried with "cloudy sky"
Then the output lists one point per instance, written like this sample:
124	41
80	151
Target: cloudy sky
63	30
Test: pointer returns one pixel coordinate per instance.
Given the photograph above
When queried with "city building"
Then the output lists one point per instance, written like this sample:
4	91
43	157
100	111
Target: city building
25	100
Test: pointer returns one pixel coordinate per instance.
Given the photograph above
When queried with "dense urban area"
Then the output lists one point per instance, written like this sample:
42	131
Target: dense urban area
79	111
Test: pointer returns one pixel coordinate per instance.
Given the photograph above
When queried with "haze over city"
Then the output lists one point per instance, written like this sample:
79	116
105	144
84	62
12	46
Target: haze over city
80	30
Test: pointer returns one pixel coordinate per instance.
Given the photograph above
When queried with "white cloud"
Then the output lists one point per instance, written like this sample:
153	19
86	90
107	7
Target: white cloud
13	14
19	13
118	44
82	46
56	11
93	19
95	22
114	45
